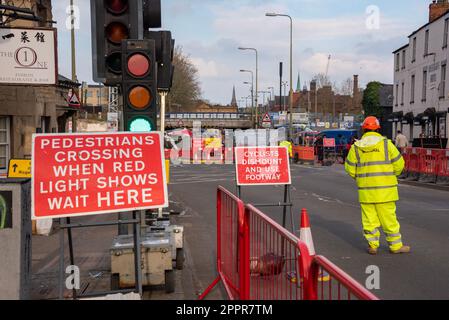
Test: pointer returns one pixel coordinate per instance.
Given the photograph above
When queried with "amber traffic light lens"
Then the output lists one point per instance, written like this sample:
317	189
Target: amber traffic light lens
116	32
138	65
139	97
114	62
117	6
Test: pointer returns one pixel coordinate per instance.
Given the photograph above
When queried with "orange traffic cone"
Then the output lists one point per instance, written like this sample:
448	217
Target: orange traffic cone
305	233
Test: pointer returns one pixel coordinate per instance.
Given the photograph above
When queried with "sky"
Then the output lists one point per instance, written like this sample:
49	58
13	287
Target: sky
359	35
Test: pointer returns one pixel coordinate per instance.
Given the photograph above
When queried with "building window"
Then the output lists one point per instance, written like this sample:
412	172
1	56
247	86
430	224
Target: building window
397	94
4	144
412	90
424	86
426	43
446	32
414	50
443	82
403	59
402	93
397	61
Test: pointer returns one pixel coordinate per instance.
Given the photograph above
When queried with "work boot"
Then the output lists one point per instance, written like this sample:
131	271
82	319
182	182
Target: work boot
404	249
372	251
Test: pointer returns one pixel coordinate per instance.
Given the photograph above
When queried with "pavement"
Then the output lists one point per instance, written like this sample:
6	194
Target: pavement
331	199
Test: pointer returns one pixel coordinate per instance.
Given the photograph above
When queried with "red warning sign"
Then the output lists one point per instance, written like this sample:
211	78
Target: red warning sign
329	142
85	174
74	101
262	166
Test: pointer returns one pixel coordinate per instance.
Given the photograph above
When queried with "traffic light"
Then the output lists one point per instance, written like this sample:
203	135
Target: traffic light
139	85
152	14
164	55
112	22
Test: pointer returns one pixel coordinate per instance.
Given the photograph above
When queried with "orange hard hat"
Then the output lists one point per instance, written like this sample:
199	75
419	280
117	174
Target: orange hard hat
371	123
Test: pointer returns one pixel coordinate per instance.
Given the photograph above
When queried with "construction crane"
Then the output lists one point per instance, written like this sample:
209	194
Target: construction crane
328	64
324	80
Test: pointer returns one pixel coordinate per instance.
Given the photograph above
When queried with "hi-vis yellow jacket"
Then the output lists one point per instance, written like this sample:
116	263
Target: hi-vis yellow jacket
289	146
375	163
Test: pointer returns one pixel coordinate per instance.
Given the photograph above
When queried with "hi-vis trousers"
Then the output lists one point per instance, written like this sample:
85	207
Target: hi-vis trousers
376	215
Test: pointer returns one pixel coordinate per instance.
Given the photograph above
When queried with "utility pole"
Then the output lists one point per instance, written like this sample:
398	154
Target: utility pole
74	78
72	34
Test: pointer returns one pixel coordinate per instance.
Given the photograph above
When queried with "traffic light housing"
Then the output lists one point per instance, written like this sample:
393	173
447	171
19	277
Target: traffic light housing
152	14
112	22
165	46
139	85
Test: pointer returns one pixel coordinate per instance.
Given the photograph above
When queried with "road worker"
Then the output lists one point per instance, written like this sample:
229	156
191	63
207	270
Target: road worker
289	146
374	162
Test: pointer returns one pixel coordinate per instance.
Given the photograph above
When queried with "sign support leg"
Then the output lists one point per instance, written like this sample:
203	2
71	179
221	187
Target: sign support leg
61	261
137	259
72	257
284	210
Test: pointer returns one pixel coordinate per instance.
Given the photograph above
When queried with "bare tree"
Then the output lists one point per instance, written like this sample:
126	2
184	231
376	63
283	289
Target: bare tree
346	87
186	89
322	80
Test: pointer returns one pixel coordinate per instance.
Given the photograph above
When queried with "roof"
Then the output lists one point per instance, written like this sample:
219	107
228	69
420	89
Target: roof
68	81
420	28
386	95
427	24
401	48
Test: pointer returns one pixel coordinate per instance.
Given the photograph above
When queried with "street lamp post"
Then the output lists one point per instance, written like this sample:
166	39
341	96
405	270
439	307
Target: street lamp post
271	95
291	65
252	92
257	82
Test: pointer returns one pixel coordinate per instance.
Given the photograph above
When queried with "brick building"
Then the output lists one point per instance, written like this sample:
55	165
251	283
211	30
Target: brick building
26	109
324	101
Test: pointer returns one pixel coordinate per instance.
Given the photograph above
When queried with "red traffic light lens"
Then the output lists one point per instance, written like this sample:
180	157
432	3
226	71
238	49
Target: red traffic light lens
116	6
114	62
116	32
139	97
138	65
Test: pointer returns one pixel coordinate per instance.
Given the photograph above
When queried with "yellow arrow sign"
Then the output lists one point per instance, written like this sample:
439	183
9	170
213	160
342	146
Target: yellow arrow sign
19	168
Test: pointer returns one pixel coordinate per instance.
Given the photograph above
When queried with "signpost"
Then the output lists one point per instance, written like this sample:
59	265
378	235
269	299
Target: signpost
329	142
266	121
74	101
265	166
86	174
262	166
28	56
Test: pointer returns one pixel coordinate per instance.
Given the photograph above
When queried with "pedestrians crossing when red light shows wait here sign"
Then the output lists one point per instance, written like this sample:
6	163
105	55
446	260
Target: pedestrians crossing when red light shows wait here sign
84	174
262	166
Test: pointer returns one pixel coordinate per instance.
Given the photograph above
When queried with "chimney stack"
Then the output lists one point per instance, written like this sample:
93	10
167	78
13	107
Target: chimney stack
437	8
355	92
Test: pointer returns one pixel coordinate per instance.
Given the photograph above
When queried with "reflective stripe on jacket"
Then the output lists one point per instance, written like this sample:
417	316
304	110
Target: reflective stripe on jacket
375	163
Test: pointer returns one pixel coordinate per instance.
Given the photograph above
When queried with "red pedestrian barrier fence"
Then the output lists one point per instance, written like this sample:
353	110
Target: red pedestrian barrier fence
257	259
426	165
443	168
338	285
304	154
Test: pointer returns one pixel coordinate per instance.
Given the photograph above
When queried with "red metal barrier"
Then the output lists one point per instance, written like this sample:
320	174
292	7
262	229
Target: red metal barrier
443	168
428	164
304	154
279	261
258	259
413	164
338	286
230	223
